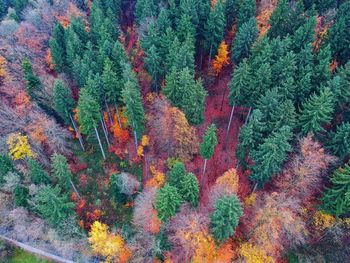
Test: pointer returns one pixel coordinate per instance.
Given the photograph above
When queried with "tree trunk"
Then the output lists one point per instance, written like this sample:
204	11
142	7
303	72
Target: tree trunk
246	119
75	189
136	142
205	166
118	116
109	113
77	132
229	122
100	144
209	61
104	128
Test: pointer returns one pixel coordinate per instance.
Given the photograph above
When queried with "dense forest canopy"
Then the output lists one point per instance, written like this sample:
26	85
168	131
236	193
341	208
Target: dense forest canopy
176	131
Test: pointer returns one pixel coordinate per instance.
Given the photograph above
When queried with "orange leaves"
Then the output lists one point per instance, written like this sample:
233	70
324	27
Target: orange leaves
266	9
19	146
120	133
230	179
322	221
158	178
48	60
109	245
3	71
221	59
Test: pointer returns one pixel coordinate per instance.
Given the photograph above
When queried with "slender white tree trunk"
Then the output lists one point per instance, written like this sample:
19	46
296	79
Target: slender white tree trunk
75	189
209	61
100	144
136	142
204	168
104	128
230	121
246	119
118	116
109	113
77	132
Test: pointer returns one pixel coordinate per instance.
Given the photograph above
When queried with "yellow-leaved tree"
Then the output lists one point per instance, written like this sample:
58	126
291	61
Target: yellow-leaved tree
19	146
221	59
109	245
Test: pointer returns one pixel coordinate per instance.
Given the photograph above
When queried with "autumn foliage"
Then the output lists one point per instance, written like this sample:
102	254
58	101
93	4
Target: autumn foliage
19	146
221	59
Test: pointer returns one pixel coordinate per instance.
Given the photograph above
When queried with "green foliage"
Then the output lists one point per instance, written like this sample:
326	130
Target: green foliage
214	28
246	36
322	71
58	47
37	173
20	196
52	205
189	189
186	93
61	171
153	65
269	156
74	46
88	112
168	201
6	165
246	10
33	83
339	34
112	85
231	10
180	56
339	141
336	199
63	101
209	142
316	112
176	174
225	218
21	256
114	190
304	35
145	9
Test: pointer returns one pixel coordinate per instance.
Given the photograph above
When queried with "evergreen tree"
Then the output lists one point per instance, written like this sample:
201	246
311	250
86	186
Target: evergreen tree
208	145
185	29
61	171
37	173
176	174
322	71
262	78
168	202
316	112
78	25
58	47
225	218
189	189
163	20
339	85
304	35
231	10
180	56
246	36
145	9
112	85
63	101
153	66
269	156
51	205
94	86
214	28
74	46
339	141
336	199
6	165
283	69
96	22
339	34
20	195
246	10
33	83
134	109
186	93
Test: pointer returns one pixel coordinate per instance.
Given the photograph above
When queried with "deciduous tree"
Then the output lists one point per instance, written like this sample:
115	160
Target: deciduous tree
19	146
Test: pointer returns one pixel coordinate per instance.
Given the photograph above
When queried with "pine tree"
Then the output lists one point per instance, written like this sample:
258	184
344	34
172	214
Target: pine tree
134	109
339	141
176	174
37	173
322	71
316	112
214	28
89	115
61	171
145	9
283	69
33	83
339	34
336	199
185	29
96	22
189	189
20	196
225	218
112	85
180	56
58	47
304	35
269	156
208	145
168	202
63	101
51	205
246	36
153	66
6	165
74	46
246	10
231	10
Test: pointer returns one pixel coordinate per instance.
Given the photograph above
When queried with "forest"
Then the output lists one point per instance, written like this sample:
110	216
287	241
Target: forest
202	131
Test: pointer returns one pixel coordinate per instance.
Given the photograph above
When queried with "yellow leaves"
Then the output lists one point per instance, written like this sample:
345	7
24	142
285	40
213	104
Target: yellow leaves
253	254
229	179
221	59
250	200
109	245
3	63
19	147
322	221
140	151
158	178
145	140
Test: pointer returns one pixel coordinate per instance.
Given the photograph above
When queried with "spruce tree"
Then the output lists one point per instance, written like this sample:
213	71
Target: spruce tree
58	47
339	34
246	10
63	101
231	10
208	145
37	173
316	112
6	165
153	66
336	199
225	218
189	189
52	205
269	156
20	196
145	9
112	85
246	36
176	174
322	71
304	35
33	83
185	29
168	202
61	171
74	46
339	141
